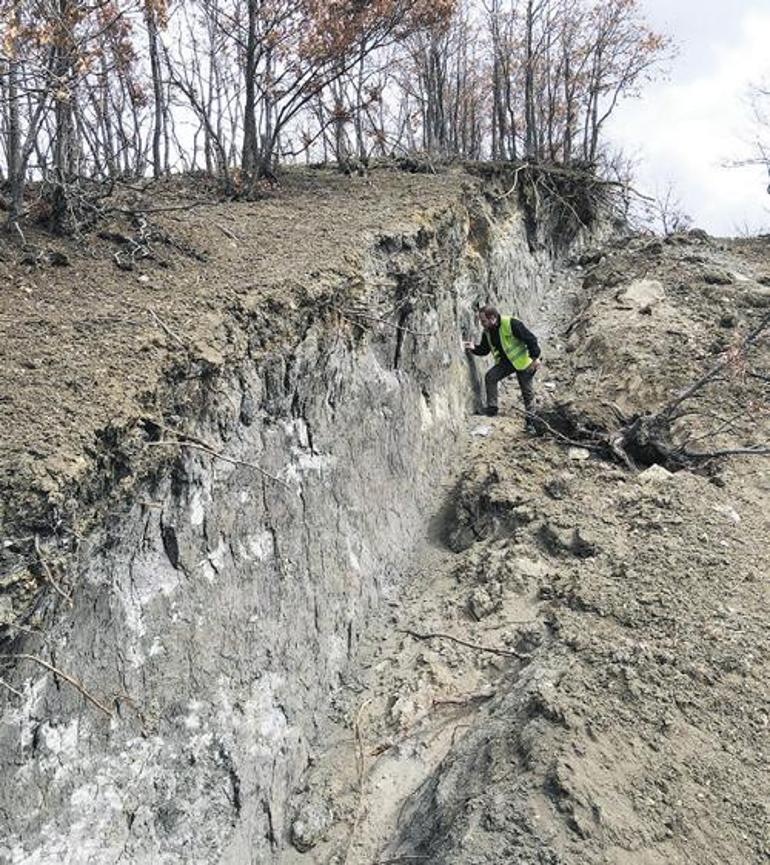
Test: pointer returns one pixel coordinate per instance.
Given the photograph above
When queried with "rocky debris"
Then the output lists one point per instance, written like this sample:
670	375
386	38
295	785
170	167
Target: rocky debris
655	474
559	487
643	295
716	276
610	737
729	513
603	275
310	825
728	320
529	567
558	540
628	732
578	454
40	257
485	600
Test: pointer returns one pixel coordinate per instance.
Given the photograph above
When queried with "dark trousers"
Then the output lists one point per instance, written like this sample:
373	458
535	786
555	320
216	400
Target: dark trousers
502	370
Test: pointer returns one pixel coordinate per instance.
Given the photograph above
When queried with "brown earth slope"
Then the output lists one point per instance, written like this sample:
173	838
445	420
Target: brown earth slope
86	346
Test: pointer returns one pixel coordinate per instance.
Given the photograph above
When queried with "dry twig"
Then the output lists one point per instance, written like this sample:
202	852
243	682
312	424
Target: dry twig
166	329
360	768
749	450
49	574
10	688
509	653
226	231
67	678
463	700
208	449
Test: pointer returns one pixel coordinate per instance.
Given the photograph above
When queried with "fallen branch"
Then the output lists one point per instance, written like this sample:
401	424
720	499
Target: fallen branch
648	438
166	329
750	450
759	376
509	653
49	575
668	410
67	678
539	419
360	768
10	688
463	701
349	315
220	456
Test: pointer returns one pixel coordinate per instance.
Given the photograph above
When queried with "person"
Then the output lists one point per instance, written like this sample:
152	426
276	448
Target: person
515	350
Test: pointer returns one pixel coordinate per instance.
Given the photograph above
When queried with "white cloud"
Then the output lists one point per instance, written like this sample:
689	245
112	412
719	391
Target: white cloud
684	130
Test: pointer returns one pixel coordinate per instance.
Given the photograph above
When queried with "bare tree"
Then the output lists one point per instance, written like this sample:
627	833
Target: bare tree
129	87
666	212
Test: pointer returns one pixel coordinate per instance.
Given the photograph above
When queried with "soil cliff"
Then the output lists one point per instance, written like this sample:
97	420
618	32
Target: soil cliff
271	593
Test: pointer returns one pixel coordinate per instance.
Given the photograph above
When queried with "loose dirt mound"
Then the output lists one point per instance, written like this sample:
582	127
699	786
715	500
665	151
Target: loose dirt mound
579	672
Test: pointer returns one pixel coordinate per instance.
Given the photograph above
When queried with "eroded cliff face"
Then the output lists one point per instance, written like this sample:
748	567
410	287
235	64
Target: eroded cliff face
214	613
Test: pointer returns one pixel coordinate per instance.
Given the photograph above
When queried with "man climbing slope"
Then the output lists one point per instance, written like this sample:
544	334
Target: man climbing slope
515	350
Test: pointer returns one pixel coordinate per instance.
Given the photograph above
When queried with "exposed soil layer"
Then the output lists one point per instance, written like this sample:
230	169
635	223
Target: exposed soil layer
86	346
577	670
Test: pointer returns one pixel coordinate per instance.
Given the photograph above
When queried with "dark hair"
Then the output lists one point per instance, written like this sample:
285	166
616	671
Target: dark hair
490	312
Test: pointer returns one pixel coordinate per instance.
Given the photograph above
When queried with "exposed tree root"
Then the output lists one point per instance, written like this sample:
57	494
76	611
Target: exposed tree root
646	439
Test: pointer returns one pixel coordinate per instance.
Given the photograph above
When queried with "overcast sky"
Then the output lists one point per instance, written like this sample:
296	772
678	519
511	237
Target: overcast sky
683	127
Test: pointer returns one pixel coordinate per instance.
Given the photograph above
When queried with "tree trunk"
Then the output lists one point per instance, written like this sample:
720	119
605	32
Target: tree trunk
157	89
15	166
249	157
529	85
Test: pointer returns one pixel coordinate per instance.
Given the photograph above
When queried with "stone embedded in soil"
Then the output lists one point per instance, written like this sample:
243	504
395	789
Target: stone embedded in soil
642	294
715	276
582	545
310	825
655	474
483	602
729	513
408	707
578	454
533	568
728	320
557	488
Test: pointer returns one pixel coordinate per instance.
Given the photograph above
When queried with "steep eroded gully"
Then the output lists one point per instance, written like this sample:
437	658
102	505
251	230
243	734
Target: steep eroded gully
576	669
256	625
451	638
270	498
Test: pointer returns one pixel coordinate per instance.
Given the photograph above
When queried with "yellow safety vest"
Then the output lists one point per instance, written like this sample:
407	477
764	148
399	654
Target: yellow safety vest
515	349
